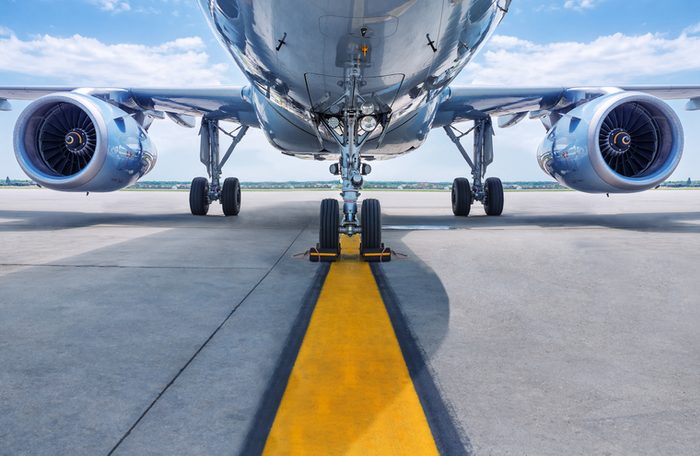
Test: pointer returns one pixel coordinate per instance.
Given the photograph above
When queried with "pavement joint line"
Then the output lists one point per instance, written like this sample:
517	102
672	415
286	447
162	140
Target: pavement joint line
97	266
9	226
206	342
350	390
44	228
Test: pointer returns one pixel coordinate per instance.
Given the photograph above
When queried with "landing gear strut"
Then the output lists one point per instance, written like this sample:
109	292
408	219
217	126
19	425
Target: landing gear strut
351	121
204	191
488	192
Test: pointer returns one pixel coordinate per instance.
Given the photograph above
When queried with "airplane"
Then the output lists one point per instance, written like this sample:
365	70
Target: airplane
350	82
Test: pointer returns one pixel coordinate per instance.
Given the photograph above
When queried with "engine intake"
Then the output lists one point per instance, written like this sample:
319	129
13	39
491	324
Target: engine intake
67	139
75	142
620	143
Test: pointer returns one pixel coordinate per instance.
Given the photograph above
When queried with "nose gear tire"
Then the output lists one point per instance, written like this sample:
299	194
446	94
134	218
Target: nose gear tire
371	222
329	234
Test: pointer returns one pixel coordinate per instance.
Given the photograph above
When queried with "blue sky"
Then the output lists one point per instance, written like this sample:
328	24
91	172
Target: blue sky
167	42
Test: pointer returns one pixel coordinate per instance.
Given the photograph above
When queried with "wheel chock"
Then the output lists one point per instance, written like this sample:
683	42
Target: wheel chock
319	255
380	255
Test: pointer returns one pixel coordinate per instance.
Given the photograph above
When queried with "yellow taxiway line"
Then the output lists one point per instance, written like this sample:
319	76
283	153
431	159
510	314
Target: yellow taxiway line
350	391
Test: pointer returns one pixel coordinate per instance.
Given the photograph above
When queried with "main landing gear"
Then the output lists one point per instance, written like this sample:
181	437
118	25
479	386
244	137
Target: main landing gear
488	192
204	191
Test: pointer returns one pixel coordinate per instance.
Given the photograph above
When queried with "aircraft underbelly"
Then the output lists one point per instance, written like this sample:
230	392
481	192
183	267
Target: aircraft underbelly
320	39
295	52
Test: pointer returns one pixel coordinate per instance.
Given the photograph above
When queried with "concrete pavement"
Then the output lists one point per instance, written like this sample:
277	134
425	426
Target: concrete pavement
568	326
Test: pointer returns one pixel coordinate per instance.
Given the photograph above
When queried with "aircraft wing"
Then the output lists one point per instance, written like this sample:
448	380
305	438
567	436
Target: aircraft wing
220	103
512	105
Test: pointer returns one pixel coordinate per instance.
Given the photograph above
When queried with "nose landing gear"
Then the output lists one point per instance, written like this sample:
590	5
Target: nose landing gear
351	121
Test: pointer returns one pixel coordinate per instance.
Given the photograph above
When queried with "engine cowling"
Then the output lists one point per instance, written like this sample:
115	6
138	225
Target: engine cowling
76	143
619	143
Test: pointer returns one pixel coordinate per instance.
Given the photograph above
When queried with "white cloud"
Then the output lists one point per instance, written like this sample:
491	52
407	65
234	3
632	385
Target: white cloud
113	6
580	5
4	31
692	30
610	59
78	60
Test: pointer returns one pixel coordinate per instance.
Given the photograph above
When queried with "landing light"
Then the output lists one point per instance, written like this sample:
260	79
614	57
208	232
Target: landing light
368	123
367	108
333	122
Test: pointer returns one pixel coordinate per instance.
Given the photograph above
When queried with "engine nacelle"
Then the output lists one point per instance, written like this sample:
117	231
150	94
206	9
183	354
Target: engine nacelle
619	143
76	143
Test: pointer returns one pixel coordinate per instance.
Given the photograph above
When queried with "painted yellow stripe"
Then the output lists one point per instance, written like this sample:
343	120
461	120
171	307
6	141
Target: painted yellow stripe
350	391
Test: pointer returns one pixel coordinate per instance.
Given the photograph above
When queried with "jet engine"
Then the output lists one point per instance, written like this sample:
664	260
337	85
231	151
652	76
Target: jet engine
619	143
75	142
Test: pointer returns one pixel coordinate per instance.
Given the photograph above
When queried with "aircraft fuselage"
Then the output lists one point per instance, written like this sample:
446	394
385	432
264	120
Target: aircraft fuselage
296	52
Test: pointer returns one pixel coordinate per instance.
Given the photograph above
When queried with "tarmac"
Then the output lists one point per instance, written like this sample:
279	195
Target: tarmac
567	326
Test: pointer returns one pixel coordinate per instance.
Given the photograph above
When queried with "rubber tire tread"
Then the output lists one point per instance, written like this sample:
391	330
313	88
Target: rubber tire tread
231	197
494	197
199	196
329	236
371	223
461	197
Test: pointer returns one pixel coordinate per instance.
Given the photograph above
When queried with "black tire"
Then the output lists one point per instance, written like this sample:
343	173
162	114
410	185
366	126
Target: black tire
493	202
231	197
371	221
328	235
199	196
461	197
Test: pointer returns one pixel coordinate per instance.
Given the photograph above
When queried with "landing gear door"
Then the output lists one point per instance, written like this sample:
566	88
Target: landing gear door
326	92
